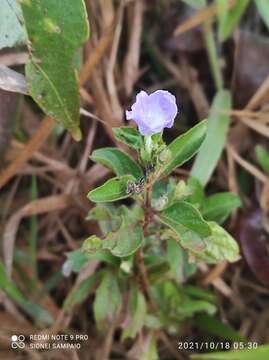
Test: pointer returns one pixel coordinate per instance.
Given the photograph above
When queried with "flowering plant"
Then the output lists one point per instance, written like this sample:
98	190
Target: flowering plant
152	242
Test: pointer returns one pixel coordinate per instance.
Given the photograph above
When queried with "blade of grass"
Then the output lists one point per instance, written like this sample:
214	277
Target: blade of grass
263	8
206	13
228	19
211	149
38	314
212	54
33	232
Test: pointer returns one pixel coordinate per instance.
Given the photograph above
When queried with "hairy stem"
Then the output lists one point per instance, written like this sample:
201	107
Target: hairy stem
145	284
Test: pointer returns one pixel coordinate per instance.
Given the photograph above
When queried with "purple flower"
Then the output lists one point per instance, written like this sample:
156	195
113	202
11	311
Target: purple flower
152	113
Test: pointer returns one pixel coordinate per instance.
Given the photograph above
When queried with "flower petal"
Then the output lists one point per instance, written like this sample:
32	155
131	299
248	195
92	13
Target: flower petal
152	113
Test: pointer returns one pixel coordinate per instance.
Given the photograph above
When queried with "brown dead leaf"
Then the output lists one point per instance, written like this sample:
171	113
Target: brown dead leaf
131	61
200	17
40	206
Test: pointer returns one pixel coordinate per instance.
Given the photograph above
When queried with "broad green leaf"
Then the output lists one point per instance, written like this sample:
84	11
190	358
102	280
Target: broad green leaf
129	136
219	246
12	32
100	213
214	326
118	161
92	244
175	304
107	217
197	192
217	207
163	193
177	258
184	147
112	190
157	272
107	300
37	313
196	4
211	149
174	255
263	8
79	293
188	239
260	353
125	241
137	312
131	214
262	156
121	243
104	256
199	293
76	260
55	29
185	215
229	18
191	307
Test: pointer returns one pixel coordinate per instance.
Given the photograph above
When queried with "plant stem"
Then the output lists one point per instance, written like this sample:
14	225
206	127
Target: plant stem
144	278
212	54
145	284
148	144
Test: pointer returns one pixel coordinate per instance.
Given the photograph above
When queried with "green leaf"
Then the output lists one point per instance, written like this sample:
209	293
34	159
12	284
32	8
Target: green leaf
107	217
131	214
121	243
125	241
262	156
214	326
112	190
93	243
129	136
12	32
174	255
76	260
118	161
157	272
177	258
218	127
100	213
137	312
260	353
219	246
184	147
104	256
175	304
229	18
217	207
263	8
55	29
196	4
107	300
190	307
199	293
79	293
184	215
197	192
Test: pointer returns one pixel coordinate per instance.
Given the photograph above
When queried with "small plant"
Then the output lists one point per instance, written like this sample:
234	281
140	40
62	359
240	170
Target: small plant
152	243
